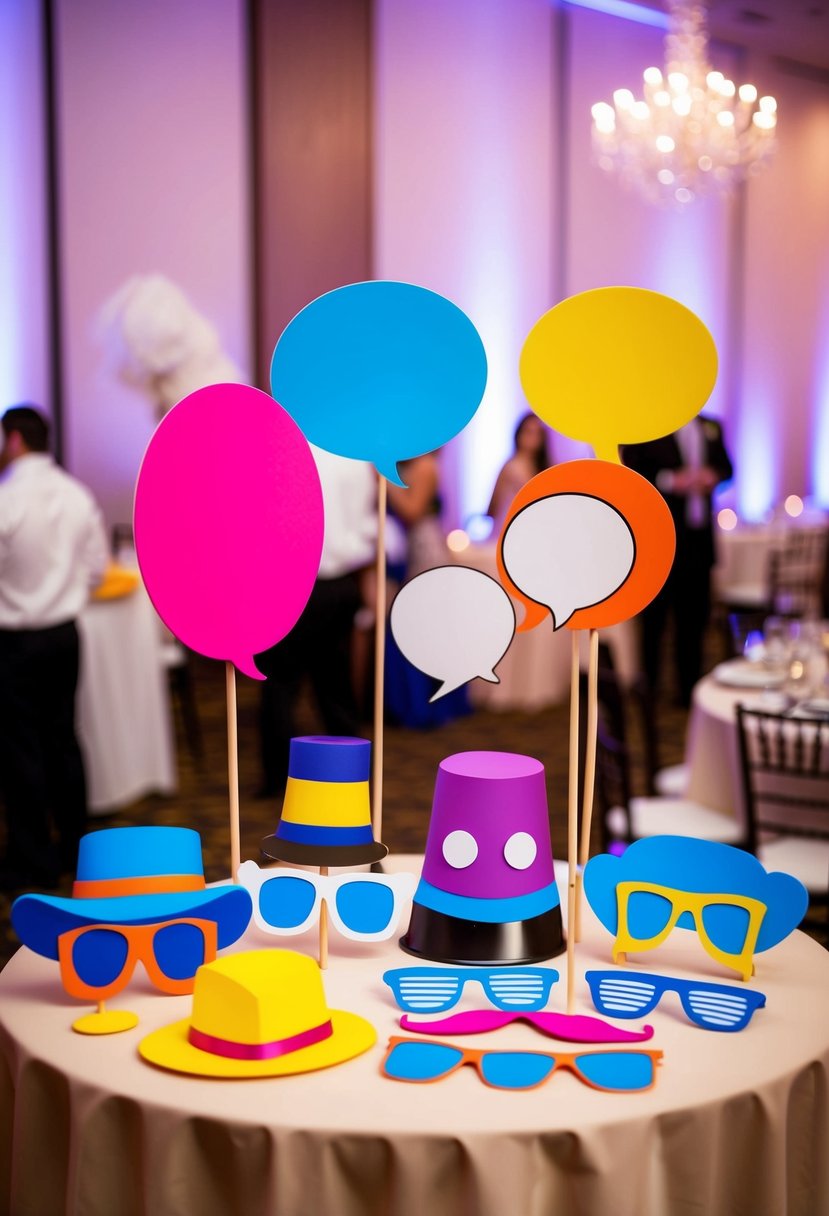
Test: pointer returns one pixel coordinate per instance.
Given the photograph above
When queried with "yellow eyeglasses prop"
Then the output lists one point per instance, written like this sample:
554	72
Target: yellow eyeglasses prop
733	920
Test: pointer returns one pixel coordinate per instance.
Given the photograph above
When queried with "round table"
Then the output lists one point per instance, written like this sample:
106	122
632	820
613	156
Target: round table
735	1123
712	748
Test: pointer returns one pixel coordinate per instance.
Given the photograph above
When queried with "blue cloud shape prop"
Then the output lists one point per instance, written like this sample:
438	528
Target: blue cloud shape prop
688	864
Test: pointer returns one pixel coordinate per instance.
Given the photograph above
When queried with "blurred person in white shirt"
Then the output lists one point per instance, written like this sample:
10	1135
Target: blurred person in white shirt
319	646
53	551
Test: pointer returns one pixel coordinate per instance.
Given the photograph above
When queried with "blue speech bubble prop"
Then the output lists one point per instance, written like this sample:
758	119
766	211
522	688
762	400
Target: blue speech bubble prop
689	864
380	371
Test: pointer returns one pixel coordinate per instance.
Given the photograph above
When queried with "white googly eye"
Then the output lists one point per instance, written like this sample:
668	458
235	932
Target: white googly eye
520	851
460	849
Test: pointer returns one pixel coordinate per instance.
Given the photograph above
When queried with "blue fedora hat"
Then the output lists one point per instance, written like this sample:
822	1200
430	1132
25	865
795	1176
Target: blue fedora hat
133	876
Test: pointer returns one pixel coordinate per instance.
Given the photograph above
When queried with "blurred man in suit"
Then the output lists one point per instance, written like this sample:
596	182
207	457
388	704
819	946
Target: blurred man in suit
53	551
686	467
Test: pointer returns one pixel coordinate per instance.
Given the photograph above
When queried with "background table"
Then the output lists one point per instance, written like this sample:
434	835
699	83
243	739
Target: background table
741	573
124	718
535	671
712	749
736	1123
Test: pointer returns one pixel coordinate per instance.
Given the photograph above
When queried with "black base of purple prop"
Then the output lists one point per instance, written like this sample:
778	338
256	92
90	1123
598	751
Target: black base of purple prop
448	939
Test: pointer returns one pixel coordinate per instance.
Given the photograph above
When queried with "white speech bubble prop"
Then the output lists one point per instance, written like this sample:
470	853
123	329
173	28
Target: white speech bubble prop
453	623
568	551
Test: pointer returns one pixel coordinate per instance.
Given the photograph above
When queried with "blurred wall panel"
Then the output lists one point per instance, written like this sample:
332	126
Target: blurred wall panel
25	350
784	398
313	156
466	189
153	158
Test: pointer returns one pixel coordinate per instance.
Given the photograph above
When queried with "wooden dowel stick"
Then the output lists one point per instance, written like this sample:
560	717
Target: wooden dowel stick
589	768
233	771
379	663
323	928
572	821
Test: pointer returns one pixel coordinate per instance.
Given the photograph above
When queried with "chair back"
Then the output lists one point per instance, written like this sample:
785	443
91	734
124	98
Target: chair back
796	573
785	774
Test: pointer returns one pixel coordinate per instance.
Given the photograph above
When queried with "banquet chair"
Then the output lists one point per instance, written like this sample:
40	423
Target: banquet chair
626	817
785	778
796	573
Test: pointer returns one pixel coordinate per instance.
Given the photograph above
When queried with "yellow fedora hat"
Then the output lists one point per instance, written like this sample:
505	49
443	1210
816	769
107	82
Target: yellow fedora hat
262	1013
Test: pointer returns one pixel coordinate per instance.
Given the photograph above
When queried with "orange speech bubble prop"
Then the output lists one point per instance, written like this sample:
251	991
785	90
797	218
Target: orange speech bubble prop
588	541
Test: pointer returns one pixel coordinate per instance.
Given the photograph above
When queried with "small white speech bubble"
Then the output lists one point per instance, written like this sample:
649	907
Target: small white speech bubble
453	623
568	551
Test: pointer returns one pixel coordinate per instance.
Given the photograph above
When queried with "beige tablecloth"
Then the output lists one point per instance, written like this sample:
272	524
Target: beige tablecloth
737	1123
123	714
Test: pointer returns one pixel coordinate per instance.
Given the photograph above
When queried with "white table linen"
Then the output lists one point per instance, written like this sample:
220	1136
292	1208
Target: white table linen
123	709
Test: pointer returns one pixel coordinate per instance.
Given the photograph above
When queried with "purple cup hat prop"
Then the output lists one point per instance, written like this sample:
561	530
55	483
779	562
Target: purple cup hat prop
487	894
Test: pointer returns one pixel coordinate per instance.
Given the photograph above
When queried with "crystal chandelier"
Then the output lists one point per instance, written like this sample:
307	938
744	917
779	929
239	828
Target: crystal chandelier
694	131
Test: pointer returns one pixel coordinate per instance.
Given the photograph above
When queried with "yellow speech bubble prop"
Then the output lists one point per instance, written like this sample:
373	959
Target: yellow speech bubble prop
618	365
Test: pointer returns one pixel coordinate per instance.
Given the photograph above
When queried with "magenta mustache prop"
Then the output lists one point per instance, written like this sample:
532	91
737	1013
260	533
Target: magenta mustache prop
573	1028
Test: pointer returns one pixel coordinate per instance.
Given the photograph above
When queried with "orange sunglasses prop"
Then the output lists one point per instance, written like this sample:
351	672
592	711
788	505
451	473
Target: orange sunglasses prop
97	961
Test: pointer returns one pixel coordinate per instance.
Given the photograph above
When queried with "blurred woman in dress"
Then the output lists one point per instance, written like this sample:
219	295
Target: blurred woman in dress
416	511
530	456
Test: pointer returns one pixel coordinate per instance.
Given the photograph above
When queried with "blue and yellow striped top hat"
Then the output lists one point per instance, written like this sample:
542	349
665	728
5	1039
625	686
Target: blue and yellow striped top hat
326	815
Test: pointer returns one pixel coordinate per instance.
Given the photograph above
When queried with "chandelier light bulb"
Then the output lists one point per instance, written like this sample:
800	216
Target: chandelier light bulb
692	132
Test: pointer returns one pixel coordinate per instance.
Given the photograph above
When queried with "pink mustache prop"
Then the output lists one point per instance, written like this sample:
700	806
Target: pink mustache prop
574	1028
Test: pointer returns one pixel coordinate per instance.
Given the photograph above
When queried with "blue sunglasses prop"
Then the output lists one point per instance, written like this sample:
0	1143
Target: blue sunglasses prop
632	994
436	989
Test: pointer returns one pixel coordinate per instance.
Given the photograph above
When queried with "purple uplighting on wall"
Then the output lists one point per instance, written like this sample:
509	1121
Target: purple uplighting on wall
24	362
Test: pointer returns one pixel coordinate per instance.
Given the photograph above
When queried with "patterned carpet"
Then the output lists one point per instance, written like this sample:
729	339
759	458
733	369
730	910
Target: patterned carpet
411	760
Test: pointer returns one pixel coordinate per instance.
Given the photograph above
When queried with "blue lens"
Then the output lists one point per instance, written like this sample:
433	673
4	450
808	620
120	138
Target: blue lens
717	1010
726	925
620	995
286	902
517	988
99	956
622	1070
179	950
647	914
516	1069
365	907
421	1061
424	989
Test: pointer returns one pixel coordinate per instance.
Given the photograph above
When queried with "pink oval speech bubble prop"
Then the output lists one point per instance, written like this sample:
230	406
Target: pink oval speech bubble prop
228	522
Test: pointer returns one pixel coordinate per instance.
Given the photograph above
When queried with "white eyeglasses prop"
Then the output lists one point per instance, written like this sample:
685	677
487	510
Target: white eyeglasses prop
363	907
